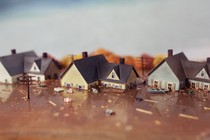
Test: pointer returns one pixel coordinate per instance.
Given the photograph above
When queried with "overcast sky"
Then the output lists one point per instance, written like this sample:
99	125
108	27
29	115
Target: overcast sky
125	27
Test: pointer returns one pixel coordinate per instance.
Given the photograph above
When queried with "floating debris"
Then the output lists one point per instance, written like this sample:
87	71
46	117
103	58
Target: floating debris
118	124
206	108
67	99
58	89
109	112
109	101
139	99
52	103
56	114
94	90
128	128
66	115
144	111
152	101
157	122
70	90
188	116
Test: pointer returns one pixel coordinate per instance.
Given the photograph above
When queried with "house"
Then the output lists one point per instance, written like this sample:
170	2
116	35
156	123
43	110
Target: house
41	68
176	72
96	70
15	65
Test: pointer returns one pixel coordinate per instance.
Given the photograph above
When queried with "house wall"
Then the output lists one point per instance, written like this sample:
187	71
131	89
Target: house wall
132	78
15	78
34	68
37	77
96	83
199	85
52	71
202	74
113	73
74	78
113	85
164	75
4	75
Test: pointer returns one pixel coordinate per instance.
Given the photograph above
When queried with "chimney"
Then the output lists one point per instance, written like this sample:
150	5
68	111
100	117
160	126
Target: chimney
122	60
170	52
208	60
44	55
84	54
13	51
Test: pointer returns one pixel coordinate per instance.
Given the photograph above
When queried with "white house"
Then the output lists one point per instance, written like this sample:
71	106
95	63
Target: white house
15	65
176	72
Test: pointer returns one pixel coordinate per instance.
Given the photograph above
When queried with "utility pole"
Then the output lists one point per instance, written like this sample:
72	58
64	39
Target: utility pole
26	80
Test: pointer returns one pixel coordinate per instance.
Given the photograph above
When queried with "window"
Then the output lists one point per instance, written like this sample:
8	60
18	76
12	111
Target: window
34	68
156	84
193	84
202	74
169	86
113	75
38	78
206	87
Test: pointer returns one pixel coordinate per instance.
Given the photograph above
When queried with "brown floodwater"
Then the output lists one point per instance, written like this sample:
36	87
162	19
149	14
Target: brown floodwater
47	116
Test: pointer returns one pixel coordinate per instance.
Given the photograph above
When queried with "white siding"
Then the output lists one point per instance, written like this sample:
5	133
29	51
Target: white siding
164	75
113	75
37	76
202	74
34	68
199	85
4	75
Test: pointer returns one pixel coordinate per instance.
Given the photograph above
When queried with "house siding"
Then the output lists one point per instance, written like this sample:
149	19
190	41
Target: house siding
113	85
164	75
73	76
199	84
204	76
114	74
4	75
52	71
37	77
132	78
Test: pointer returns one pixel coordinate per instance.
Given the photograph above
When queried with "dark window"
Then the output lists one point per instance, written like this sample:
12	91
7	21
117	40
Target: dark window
49	77
55	76
34	68
38	78
202	74
193	84
113	75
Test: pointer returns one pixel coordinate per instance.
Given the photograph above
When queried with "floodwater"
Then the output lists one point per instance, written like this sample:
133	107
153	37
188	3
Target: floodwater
46	116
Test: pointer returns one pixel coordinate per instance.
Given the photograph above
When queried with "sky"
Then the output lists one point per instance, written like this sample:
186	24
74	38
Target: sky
126	27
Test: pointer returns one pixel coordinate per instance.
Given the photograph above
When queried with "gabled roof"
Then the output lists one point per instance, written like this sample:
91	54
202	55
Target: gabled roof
88	67
175	63
122	70
42	63
14	63
95	68
191	68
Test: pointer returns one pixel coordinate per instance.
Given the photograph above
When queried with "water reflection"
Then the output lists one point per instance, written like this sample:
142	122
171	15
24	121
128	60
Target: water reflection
5	92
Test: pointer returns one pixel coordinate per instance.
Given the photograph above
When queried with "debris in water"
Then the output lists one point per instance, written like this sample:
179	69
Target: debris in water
188	116
52	103
144	111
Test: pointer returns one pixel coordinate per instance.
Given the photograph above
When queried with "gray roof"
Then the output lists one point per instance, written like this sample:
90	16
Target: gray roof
14	63
122	70
95	68
192	68
41	62
175	63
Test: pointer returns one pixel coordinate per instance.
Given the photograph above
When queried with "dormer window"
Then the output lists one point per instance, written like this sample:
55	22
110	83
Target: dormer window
113	75
202	74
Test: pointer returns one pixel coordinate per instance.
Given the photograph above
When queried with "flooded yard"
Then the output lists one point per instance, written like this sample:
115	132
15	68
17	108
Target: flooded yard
171	116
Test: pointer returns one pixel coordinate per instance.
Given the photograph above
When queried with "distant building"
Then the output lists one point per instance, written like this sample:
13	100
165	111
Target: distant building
15	65
176	72
96	70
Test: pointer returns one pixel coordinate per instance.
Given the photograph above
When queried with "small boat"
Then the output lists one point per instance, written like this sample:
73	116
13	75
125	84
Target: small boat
156	90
